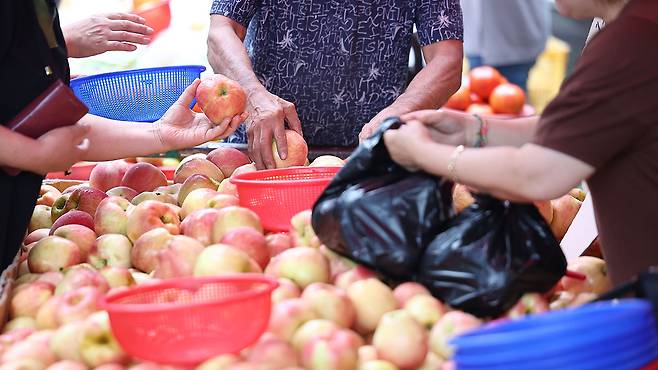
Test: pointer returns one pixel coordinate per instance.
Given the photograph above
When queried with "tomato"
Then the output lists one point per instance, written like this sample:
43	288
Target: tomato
484	80
476	99
481	109
462	98
507	99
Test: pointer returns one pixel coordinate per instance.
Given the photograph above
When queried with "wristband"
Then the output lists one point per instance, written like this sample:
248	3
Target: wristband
483	133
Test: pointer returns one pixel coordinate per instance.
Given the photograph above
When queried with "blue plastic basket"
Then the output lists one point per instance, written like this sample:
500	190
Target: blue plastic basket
141	95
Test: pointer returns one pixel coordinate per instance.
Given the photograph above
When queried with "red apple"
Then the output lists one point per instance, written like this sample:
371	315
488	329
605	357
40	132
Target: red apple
310	330
220	98
330	303
112	250
251	167
53	254
273	353
197	199
98	346
371	299
35	347
336	351
77	305
67	365
36	235
450	325
302	265
233	217
144	254
302	231
107	175
178	257
366	354
405	291
82	236
349	277
425	309
288	316
48	195
220	259
144	177
66	341
41	218
221	362
195	181
118	277
278	243
81	276
151	215
112	216
27	301
338	264
154	195
286	290
59	207
251	242
228	159
297	151
123	192
85	199
74	217
220	200
401	340
199	225
198	166
228	188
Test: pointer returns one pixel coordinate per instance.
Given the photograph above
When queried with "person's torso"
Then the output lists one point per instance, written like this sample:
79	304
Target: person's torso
23	54
340	62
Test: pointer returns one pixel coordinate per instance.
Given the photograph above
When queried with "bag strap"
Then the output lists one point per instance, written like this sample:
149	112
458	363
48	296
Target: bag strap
46	23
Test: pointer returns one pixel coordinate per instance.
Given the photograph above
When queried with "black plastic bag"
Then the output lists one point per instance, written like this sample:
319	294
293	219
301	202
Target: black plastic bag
380	215
490	255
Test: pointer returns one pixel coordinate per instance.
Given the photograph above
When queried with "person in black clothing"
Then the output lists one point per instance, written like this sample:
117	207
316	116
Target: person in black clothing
25	74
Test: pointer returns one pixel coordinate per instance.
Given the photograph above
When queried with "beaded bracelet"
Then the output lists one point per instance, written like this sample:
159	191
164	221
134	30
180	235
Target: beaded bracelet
483	133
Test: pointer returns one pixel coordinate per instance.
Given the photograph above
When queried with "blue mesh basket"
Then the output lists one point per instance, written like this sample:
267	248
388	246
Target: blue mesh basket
141	95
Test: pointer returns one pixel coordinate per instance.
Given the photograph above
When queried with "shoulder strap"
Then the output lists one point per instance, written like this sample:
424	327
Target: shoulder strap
45	20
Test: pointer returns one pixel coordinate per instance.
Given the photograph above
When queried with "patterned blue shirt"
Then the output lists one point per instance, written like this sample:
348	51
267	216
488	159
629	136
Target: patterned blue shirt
340	62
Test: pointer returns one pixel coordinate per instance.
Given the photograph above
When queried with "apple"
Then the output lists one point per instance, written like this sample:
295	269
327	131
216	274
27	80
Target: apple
228	159
302	265
36	235
545	209
247	366
371	299
286	290
529	303
233	217
347	278
53	277
310	330
195	181
27	301
198	166
23	267
451	324
53	254
46	317
26	279
77	305
143	177
338	264
151	215
221	362
302	231
67	365
251	242
118	277
461	198
425	309
85	199
141	277
178	257
80	276
41	218
153	195
367	353
221	259
110	367
251	167
277	243
59	207
19	323
565	209
156	161
48	195
273	353
288	316
112	216
66	341
337	351
378	365
82	236
330	303
432	362
401	340
228	188
199	224
220	201
327	161
74	217
23	364
197	199
107	175
595	271
172	189
35	347
220	98
10	337
123	192
98	346
144	254
297	151
578	194
112	250
405	291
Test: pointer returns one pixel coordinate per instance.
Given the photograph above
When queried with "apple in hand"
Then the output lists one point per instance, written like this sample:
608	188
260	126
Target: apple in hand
53	254
371	299
112	216
251	242
178	258
401	340
330	303
98	346
228	159
143	177
73	217
82	236
151	215
297	151
107	175
41	218
123	192
48	195
111	250
302	265
220	98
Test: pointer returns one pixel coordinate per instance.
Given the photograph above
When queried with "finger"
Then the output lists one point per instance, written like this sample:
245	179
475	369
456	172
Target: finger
129	26
281	141
255	150
423	115
125	36
127	17
219	130
293	119
265	147
244	116
120	46
188	94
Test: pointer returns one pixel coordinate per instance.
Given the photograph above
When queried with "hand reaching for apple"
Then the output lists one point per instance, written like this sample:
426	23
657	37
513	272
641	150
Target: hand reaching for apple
180	127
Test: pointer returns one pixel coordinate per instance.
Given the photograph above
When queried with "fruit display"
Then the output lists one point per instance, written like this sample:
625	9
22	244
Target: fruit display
485	91
130	226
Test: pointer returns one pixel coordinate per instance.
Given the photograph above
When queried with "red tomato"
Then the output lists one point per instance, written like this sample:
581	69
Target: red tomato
476	99
484	80
462	98
507	99
481	109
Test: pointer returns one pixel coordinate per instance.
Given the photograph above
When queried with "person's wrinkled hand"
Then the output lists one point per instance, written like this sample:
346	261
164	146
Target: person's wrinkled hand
61	148
446	127
180	127
109	32
403	143
269	113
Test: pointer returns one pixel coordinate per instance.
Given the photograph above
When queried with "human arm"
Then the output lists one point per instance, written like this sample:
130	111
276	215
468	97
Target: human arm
228	56
109	32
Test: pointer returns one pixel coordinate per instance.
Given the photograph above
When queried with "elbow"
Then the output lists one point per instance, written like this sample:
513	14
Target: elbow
534	183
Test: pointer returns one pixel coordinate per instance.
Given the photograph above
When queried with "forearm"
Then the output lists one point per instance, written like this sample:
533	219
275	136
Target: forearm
506	132
17	151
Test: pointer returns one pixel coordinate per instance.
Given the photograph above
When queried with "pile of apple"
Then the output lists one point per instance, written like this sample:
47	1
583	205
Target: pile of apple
129	226
485	91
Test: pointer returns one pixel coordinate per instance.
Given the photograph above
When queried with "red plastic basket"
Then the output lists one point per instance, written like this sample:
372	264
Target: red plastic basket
186	321
277	195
